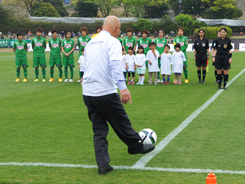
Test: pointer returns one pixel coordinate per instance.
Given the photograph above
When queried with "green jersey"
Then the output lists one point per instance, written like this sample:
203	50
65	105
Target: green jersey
183	41
145	43
68	45
39	46
129	42
120	40
54	46
20	48
82	42
161	43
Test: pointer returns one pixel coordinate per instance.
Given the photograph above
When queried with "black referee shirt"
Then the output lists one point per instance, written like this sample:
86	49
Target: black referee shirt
201	46
223	46
214	43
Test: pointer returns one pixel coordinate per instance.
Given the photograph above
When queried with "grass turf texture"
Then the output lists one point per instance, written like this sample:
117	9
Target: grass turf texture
47	122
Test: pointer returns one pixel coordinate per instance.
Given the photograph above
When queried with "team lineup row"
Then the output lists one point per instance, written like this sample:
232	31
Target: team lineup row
221	52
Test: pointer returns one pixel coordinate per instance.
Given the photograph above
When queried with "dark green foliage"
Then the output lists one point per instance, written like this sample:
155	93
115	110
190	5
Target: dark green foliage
84	9
211	32
58	5
45	10
156	11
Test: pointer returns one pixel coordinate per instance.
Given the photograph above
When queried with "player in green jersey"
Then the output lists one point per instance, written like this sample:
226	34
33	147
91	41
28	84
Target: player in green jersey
161	42
20	48
68	47
83	40
55	58
183	41
120	40
129	41
39	46
144	41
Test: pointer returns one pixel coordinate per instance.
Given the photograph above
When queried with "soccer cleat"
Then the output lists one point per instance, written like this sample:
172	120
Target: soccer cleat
179	82
17	80
66	80
43	80
164	83
203	82
129	82
60	79
142	149
161	81
199	82
78	80
24	80
132	82
224	87
220	87
186	81
138	83
167	83
142	83
36	80
105	169
71	80
51	80
176	82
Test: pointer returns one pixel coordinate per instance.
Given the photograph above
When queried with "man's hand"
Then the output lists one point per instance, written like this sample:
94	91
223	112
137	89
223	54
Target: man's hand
125	96
230	60
194	58
150	62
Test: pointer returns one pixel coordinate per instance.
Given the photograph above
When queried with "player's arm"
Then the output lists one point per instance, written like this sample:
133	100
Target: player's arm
14	47
49	44
78	43
73	48
185	46
26	47
44	44
230	53
32	44
135	43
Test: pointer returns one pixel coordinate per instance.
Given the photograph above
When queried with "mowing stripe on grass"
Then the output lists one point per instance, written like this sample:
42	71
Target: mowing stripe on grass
164	142
123	167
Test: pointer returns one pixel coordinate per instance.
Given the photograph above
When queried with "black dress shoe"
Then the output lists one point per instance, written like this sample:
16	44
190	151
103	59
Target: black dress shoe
105	169
142	149
220	87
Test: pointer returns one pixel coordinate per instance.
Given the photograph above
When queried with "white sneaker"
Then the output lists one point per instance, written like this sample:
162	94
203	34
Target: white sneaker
71	80
78	80
161	81
158	80
66	80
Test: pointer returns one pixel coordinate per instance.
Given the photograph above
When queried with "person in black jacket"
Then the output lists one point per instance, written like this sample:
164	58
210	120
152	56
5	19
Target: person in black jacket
201	54
223	57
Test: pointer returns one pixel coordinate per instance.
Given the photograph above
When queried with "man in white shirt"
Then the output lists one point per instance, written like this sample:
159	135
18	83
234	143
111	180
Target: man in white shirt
102	76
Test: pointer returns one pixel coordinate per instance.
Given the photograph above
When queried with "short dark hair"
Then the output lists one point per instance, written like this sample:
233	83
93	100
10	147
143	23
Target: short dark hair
131	48
153	43
140	47
99	27
180	28
130	30
19	34
84	29
177	45
40	30
223	28
54	31
161	30
167	46
144	31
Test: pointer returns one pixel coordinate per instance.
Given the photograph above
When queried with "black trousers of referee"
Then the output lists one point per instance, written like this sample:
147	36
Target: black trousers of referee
105	109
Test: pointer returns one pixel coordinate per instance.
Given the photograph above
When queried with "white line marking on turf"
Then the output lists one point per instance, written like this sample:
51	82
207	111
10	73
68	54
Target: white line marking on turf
164	142
123	167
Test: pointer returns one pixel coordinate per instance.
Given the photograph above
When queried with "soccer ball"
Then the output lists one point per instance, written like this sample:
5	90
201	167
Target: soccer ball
148	136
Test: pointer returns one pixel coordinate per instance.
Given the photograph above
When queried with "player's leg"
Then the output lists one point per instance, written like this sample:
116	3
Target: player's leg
36	66
168	79
24	66
163	79
185	72
59	66
71	66
199	74
51	65
226	67
179	78
17	66
43	65
65	65
175	78
150	78
203	74
158	73
133	76
155	78
219	67
129	82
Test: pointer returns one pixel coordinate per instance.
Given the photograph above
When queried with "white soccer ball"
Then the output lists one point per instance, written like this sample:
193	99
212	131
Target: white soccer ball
148	136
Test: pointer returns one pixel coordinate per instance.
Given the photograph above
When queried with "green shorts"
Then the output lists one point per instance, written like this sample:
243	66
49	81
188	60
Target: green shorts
185	64
39	61
55	61
68	62
21	61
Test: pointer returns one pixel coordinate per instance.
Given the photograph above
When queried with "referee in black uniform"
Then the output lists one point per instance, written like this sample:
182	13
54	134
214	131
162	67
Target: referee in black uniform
223	57
213	57
201	54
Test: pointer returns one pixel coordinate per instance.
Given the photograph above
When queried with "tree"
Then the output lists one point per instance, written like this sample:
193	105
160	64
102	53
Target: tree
45	10
192	7
126	6
156	11
84	9
59	6
4	16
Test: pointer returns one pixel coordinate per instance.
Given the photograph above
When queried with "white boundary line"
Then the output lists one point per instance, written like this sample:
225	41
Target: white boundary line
164	142
124	168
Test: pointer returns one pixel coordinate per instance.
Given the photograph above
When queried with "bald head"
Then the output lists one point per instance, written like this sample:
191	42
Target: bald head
112	25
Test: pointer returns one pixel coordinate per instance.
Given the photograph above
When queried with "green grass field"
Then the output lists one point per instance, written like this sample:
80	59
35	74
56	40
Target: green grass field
48	123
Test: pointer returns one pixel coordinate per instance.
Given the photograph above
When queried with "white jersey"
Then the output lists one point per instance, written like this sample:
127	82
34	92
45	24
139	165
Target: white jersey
166	61
81	62
178	59
124	63
140	60
154	59
130	62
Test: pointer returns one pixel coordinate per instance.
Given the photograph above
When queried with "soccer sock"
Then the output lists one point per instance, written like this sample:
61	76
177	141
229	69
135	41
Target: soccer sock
158	75
168	78
199	74
142	79
25	72
52	72
226	79
163	78
18	73
222	76
37	72
60	72
186	73
44	72
219	79
215	74
71	69
203	75
66	72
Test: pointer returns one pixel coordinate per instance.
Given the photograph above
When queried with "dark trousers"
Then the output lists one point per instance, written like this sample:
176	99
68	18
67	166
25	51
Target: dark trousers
105	109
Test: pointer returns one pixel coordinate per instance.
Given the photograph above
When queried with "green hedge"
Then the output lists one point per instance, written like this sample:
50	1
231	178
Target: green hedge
211	32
